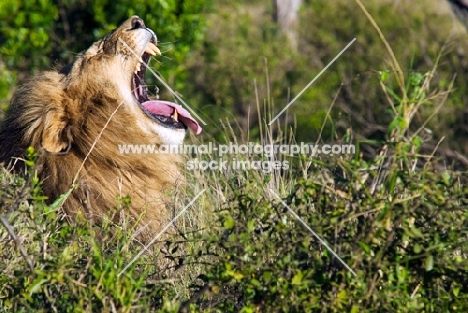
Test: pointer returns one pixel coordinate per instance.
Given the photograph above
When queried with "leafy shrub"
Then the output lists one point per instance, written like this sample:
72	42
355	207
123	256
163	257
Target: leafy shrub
245	61
407	248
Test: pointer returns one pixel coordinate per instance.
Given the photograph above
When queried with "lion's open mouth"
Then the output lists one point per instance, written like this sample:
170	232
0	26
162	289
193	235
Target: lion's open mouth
166	113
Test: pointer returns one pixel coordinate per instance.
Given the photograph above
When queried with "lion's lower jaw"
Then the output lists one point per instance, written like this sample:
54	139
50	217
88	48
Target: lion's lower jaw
170	136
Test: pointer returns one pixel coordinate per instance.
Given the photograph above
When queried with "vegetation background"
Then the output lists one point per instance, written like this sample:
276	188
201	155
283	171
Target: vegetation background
395	211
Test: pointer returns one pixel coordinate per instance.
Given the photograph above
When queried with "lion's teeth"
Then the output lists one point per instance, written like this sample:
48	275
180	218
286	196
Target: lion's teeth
149	51
176	115
152	49
138	67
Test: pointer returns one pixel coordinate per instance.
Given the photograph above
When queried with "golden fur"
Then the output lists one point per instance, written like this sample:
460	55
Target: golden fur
63	113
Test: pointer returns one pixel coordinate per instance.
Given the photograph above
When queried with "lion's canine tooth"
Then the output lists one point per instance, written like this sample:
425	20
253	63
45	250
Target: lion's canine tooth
176	115
138	67
152	49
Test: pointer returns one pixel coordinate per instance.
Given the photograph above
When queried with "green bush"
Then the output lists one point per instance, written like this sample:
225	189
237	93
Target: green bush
245	62
407	249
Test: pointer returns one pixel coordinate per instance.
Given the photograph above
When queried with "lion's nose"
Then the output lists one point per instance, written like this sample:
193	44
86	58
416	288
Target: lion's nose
138	23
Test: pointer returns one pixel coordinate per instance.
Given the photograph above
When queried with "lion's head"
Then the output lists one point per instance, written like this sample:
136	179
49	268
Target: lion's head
118	62
77	117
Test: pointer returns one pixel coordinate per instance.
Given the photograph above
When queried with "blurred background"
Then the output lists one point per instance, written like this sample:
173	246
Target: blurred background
238	63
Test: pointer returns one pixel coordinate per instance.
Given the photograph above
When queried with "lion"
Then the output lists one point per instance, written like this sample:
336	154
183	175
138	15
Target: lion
77	116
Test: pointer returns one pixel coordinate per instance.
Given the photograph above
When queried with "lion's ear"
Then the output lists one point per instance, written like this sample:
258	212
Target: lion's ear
56	136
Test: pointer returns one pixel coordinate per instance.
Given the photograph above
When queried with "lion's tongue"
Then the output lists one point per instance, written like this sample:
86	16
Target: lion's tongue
167	108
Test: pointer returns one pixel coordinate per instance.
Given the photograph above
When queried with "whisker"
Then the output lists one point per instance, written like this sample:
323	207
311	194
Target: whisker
167	50
167	42
155	60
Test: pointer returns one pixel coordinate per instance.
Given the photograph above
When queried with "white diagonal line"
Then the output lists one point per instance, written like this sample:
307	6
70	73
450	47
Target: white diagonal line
161	232
314	233
163	82
312	81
